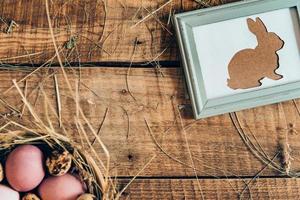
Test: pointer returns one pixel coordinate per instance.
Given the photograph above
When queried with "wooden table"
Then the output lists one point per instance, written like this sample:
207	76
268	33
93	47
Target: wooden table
132	87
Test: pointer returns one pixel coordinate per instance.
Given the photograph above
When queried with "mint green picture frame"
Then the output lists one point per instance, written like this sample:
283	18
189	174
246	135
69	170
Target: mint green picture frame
202	107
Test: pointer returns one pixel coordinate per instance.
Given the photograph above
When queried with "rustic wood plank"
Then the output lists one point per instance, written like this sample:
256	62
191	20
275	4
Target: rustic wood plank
215	145
267	188
104	30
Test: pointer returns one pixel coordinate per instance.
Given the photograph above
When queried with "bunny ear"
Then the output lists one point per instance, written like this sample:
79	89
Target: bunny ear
261	25
251	22
256	27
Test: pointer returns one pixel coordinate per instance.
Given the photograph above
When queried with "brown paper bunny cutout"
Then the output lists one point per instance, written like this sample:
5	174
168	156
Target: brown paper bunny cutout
249	66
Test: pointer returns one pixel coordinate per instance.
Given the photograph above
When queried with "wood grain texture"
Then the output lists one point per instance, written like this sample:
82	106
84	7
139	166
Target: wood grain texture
212	189
105	30
215	145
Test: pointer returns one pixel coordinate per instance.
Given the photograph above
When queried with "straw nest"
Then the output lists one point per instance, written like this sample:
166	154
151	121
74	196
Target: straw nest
43	131
82	163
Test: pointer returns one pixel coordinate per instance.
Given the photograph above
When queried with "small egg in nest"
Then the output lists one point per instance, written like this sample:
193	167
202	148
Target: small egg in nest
30	196
86	197
1	173
59	164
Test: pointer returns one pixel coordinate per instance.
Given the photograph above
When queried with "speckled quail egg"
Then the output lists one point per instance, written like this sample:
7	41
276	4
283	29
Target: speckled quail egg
59	164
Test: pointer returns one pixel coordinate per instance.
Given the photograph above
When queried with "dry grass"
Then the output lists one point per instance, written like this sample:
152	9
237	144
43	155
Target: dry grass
250	140
43	132
209	3
151	14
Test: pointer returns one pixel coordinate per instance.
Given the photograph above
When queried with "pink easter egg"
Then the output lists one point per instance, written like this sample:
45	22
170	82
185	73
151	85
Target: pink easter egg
24	168
66	187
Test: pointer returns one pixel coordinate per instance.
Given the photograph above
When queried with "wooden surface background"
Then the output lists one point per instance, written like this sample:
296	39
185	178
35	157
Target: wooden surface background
130	75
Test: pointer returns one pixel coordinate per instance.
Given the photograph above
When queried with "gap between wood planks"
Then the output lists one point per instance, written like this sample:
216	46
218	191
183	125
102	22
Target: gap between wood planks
199	177
163	64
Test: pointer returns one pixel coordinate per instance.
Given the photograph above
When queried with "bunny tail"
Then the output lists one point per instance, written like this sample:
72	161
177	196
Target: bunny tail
232	84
